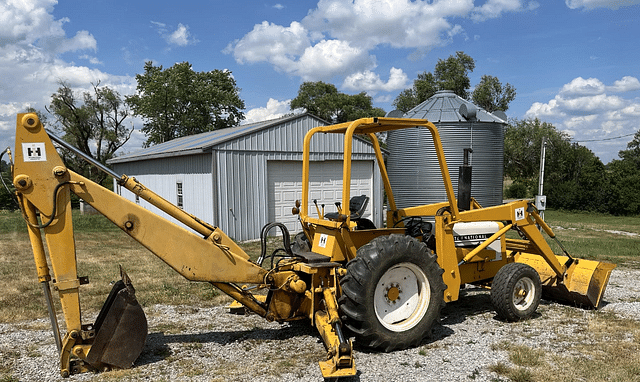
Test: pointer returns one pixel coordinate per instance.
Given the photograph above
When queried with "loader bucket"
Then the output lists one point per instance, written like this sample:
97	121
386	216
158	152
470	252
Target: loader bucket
584	284
121	328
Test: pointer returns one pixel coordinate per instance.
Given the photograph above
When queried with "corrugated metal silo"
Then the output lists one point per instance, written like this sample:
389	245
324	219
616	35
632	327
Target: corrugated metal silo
412	163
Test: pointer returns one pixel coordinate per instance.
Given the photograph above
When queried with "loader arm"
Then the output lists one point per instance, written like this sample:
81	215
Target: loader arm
563	277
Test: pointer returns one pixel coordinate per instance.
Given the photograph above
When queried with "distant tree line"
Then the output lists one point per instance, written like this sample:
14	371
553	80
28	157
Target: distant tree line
575	178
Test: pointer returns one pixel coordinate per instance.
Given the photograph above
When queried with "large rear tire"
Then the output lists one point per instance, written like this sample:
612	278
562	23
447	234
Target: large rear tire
516	291
392	293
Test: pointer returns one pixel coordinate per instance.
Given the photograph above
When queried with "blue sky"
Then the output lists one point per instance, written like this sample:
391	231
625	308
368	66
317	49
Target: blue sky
574	63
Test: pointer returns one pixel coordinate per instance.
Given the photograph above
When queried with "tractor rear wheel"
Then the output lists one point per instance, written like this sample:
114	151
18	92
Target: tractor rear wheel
392	293
516	291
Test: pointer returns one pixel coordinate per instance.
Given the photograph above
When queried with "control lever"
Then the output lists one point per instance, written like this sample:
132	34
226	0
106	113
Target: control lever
315	201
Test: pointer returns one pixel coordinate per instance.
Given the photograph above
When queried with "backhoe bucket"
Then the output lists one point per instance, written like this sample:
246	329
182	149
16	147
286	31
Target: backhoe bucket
584	284
121	328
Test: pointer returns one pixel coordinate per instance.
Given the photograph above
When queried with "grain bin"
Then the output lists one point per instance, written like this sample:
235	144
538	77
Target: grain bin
412	163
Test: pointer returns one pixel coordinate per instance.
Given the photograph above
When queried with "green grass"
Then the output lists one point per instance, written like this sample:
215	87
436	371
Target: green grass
592	236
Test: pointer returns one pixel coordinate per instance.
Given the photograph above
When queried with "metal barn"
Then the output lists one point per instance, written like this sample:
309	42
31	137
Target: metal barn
241	178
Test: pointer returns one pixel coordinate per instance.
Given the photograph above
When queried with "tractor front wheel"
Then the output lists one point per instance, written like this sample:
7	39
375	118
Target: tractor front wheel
392	293
516	291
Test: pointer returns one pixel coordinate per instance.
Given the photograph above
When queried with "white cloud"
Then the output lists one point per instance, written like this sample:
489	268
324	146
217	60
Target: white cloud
91	59
626	84
400	23
586	109
181	36
278	6
271	43
274	109
495	8
593	4
580	87
371	82
337	37
31	41
289	49
329	58
31	22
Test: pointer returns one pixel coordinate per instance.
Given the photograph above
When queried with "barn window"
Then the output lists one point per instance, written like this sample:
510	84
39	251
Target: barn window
179	194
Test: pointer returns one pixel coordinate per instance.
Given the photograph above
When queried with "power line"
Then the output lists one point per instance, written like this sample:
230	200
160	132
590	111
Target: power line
606	139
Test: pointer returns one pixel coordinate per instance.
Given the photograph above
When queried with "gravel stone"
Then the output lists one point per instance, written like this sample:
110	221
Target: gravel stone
189	343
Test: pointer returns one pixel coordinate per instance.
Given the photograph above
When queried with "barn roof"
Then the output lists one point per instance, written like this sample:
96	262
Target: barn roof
203	142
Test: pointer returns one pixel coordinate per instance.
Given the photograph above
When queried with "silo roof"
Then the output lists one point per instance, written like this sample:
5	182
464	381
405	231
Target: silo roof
444	106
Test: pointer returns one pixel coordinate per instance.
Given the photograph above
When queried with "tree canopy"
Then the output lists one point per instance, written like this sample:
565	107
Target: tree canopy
94	124
522	144
624	180
449	74
325	101
490	95
453	74
177	101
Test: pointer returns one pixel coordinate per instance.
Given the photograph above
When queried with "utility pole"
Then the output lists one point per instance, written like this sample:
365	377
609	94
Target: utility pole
541	199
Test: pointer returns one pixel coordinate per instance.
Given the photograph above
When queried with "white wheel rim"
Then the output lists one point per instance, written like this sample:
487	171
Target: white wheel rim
523	294
402	297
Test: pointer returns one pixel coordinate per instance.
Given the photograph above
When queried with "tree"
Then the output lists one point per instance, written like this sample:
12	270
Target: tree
325	101
578	181
449	74
177	101
96	126
575	178
632	153
453	73
624	180
522	143
490	95
6	195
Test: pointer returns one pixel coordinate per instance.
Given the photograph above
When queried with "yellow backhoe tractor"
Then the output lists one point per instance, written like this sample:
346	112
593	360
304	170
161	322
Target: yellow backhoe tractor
383	286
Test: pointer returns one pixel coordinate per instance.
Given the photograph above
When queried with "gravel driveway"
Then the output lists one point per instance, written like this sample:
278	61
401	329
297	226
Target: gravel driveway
198	344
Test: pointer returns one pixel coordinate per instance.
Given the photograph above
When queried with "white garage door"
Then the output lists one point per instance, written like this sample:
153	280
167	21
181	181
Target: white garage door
285	187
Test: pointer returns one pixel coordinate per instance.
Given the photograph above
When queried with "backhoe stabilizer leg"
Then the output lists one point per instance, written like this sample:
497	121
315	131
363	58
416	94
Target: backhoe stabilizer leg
339	361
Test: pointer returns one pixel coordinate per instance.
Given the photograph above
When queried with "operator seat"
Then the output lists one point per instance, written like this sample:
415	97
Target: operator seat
357	207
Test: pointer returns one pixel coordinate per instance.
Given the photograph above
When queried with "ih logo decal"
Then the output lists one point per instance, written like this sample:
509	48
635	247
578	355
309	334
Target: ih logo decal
519	213
34	152
322	243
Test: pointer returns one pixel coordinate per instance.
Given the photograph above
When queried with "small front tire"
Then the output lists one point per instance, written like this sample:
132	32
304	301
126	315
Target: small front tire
516	291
